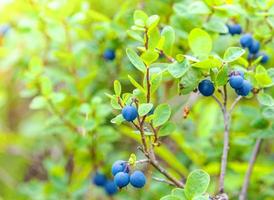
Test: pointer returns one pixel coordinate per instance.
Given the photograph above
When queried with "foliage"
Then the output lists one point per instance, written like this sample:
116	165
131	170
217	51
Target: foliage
62	61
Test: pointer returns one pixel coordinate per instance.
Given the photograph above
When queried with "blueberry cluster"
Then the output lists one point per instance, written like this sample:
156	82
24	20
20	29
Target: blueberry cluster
109	54
236	80
247	41
242	87
102	181
122	177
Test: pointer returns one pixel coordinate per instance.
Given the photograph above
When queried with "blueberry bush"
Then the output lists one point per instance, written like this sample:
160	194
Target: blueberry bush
133	99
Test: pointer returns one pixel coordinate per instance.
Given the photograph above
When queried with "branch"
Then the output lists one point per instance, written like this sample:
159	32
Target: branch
252	160
226	142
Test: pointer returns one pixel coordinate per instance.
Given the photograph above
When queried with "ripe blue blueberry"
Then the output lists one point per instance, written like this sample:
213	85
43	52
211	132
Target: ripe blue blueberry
235	29
99	179
119	166
151	111
236	81
206	87
264	59
110	188
129	113
254	47
245	89
246	40
137	179
121	179
109	54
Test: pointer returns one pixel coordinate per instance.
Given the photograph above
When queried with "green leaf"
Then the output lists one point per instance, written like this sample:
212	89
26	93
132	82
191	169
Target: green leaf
216	25
152	21
136	84
161	114
36	65
177	69
259	123
189	81
198	8
262	77
114	103
178	192
197	183
265	99
200	42
209	63
117	88
136	60
38	102
140	18
170	197
233	53
169	38
268	112
153	38
144	108
156	80
222	77
118	119
135	35
167	129
46	86
149	56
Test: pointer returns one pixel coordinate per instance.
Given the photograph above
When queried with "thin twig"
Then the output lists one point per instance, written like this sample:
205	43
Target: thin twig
234	104
219	102
252	161
163	181
155	164
142	161
61	117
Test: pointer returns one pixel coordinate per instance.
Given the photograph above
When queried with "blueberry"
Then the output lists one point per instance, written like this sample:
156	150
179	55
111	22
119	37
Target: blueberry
137	179
99	179
254	47
245	89
264	59
235	29
119	166
129	113
206	87
151	111
110	188
236	81
246	40
121	179
109	54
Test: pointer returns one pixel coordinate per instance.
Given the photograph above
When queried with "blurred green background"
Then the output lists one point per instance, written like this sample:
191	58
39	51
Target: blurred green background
55	128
